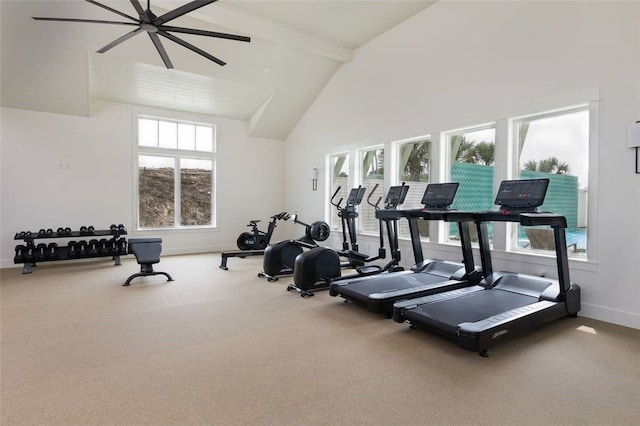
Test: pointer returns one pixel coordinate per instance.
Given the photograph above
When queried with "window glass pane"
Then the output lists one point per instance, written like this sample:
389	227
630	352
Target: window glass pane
204	139
196	189
471	160
372	162
168	135
339	179
414	169
147	132
557	147
156	207
186	136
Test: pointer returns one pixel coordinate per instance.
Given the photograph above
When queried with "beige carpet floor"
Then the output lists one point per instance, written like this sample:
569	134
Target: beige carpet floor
228	348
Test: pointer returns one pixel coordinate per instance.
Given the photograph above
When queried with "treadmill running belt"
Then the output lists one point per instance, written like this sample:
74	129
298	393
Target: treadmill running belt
360	290
445	315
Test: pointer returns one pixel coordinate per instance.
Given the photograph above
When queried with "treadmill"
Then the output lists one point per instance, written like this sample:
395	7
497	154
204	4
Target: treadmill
504	304
380	292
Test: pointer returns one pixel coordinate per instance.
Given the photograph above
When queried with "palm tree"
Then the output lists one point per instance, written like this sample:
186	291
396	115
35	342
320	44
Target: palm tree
548	165
417	167
476	152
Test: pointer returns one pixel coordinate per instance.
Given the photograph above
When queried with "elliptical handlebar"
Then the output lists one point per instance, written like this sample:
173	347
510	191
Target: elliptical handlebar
336	205
375	206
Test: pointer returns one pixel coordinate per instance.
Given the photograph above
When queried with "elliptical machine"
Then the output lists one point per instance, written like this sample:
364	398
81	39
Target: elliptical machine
279	258
317	268
252	243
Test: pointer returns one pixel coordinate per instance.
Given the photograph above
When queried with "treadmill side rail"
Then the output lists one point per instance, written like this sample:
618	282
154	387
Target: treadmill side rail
401	306
383	302
481	335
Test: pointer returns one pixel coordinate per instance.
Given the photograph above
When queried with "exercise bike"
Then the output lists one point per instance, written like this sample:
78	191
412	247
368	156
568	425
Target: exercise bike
257	239
280	257
253	243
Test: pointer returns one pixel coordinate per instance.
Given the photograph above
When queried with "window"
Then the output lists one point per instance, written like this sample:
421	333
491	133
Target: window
414	169
556	146
372	168
176	171
471	163
339	166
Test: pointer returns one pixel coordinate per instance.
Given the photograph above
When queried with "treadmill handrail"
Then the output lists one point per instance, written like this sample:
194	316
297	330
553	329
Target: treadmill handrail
551	219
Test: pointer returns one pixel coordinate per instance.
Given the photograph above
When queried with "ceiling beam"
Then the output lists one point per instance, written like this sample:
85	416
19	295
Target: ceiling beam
258	26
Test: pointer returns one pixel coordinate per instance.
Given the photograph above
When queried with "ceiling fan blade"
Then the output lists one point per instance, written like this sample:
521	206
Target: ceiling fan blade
182	10
192	47
92	21
120	40
204	33
112	10
137	6
160	48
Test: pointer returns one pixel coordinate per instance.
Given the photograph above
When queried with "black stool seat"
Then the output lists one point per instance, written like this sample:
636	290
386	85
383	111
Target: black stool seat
147	252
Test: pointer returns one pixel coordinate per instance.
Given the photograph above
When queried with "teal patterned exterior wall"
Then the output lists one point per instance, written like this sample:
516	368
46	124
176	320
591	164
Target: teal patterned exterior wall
475	192
562	195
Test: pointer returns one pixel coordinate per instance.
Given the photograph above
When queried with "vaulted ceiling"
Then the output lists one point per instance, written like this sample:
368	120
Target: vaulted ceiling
296	46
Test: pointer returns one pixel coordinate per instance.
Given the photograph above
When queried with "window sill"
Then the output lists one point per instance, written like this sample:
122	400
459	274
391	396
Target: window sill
175	231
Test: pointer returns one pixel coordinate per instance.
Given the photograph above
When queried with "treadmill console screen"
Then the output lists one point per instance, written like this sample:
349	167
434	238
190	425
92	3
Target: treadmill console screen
439	195
355	196
519	194
396	195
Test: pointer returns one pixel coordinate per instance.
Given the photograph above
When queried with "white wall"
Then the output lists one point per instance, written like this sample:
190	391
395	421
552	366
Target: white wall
95	184
459	64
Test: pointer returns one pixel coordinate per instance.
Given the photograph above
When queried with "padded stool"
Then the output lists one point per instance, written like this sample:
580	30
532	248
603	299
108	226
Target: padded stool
147	252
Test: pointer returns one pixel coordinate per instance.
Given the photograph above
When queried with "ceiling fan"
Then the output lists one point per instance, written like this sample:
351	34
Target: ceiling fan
154	26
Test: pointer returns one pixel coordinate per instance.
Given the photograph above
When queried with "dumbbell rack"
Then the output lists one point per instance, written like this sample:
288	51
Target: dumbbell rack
32	253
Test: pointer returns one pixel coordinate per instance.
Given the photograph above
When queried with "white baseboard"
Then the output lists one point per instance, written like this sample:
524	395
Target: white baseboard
614	316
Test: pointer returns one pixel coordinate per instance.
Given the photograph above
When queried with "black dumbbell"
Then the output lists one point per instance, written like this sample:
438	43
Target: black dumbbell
83	248
104	246
93	247
28	253
122	246
113	246
41	233
73	249
41	251
20	252
51	251
49	232
122	229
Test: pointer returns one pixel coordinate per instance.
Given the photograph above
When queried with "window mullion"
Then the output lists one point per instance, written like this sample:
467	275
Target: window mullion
177	192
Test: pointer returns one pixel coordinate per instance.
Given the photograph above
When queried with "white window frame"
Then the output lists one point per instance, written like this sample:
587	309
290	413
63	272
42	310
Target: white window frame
176	155
514	170
394	178
359	180
446	170
331	211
